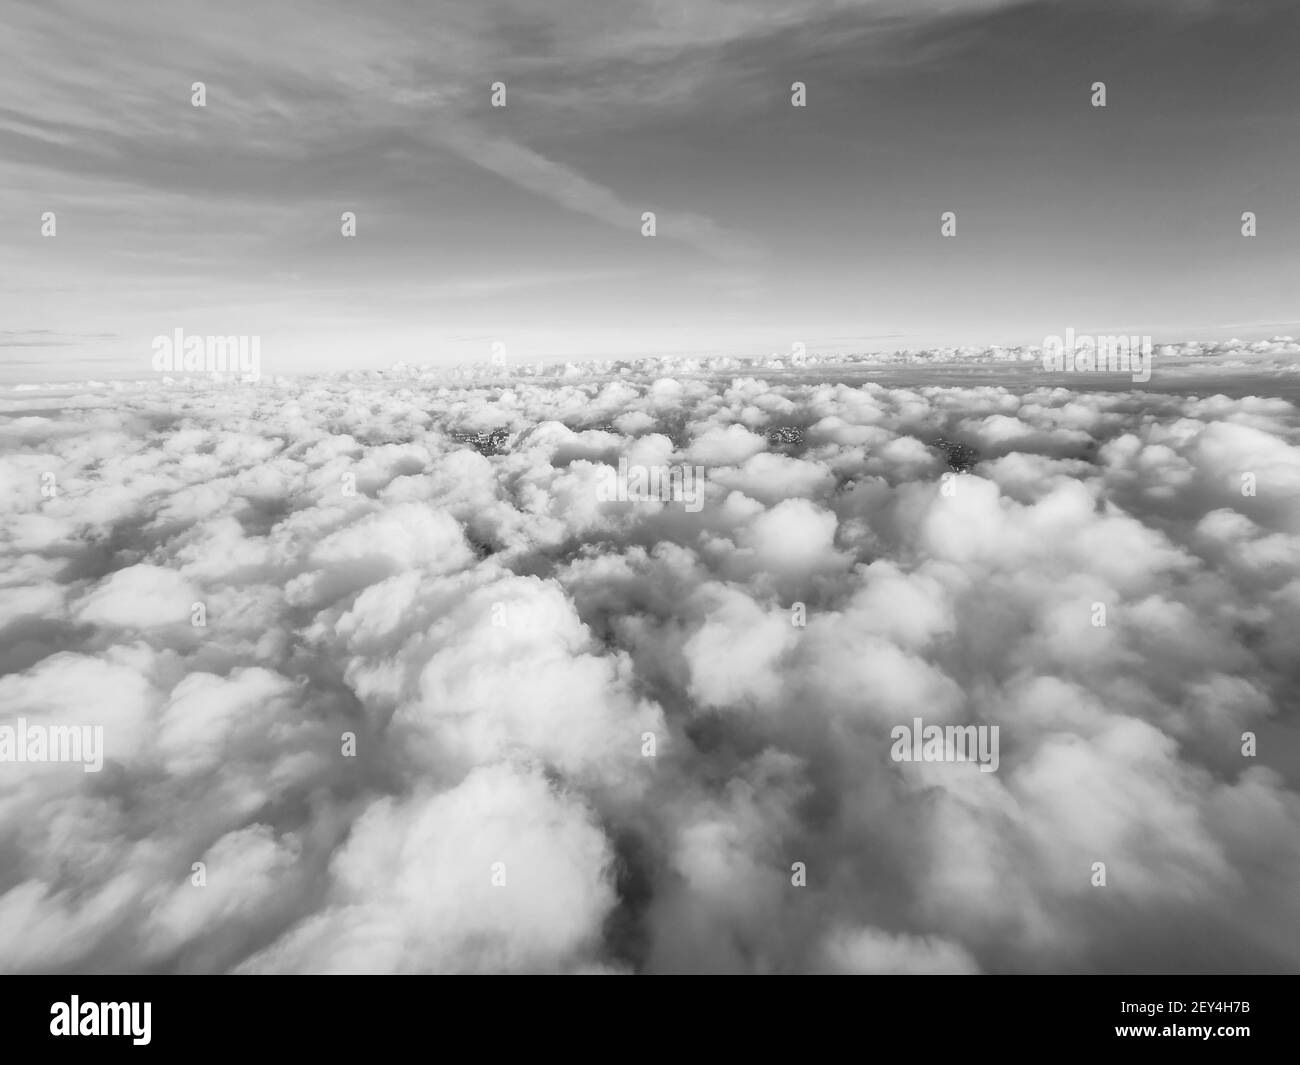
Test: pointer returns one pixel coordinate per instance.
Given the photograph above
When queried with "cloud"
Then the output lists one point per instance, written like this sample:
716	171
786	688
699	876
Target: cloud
564	185
672	728
139	596
497	873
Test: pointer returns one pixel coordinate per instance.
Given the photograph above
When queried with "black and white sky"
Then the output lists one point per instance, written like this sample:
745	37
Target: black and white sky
355	643
522	224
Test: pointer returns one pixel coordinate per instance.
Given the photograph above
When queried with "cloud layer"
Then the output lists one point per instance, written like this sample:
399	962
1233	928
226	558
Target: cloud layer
418	708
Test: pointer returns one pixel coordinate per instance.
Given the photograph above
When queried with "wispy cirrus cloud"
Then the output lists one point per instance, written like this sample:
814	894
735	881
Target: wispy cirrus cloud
572	190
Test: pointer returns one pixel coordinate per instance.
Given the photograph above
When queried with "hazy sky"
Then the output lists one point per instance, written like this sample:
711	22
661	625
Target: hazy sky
522	224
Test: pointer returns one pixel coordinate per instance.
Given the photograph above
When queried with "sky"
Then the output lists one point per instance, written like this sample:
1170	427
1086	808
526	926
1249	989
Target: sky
522	225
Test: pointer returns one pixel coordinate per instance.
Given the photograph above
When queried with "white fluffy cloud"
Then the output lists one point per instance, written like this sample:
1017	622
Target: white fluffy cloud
451	709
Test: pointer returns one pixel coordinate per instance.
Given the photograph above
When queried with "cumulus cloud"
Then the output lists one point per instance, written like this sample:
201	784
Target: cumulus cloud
377	696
